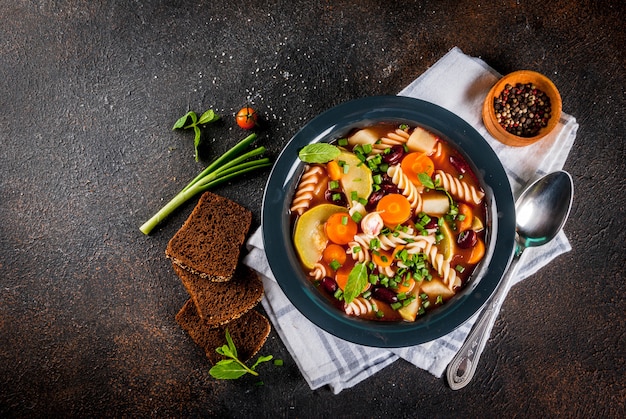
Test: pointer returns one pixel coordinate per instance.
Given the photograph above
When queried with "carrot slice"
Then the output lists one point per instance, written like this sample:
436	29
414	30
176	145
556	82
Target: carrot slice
341	277
382	258
334	170
468	217
334	252
478	251
406	285
340	228
415	163
394	209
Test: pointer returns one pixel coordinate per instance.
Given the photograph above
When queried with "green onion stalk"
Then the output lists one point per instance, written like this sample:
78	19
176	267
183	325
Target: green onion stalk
229	165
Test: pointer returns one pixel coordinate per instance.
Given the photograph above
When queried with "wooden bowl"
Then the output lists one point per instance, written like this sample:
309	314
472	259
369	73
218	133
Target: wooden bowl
523	76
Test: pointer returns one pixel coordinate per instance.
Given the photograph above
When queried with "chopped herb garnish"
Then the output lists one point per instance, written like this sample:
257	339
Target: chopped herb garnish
338	294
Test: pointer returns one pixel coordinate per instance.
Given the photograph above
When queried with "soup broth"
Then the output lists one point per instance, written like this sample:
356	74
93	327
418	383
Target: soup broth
392	226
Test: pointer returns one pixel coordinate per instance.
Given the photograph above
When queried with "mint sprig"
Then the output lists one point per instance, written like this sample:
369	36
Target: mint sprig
357	279
233	368
206	118
318	153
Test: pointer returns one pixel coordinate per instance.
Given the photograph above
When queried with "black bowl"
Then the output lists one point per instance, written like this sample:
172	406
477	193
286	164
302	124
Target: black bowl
277	231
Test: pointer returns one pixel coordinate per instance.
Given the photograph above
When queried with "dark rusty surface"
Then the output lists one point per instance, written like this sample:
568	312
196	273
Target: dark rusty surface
88	94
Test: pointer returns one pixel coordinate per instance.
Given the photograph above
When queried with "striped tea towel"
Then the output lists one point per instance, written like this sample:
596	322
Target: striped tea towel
458	83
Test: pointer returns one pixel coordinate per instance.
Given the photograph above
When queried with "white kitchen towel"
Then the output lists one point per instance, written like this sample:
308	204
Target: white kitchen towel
458	83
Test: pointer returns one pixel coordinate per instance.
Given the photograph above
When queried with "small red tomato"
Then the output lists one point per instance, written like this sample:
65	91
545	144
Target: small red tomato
247	118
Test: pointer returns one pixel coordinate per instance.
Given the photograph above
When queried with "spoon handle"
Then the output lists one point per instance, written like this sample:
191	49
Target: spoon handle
462	367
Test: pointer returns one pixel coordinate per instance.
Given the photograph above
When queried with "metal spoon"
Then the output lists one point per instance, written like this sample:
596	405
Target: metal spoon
541	211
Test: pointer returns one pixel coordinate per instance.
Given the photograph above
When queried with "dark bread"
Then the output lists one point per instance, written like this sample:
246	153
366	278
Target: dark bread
249	332
220	302
209	242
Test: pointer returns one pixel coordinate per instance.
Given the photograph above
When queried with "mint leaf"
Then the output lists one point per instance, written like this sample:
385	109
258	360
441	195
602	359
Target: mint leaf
356	282
426	180
182	121
227	369
260	360
225	351
208	117
318	153
231	345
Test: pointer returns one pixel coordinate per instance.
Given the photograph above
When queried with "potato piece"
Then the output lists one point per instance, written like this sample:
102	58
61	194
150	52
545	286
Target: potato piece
409	312
436	287
422	141
363	136
435	204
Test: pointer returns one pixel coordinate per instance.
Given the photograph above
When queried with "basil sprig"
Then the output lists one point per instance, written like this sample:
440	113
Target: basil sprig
206	118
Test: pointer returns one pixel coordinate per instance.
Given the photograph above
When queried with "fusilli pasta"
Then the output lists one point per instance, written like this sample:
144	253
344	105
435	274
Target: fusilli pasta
458	188
319	271
397	137
393	240
360	306
408	188
426	245
359	248
304	193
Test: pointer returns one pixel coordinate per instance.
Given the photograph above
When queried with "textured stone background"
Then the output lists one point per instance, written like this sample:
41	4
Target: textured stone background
88	94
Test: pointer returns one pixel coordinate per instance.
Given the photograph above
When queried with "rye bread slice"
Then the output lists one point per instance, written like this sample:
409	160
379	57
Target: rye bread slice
249	332
220	302
209	242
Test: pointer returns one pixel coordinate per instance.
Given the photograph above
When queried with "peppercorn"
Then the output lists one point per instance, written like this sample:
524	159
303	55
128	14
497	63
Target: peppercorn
522	109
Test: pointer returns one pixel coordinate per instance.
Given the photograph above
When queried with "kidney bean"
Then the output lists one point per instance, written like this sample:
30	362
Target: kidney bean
433	223
329	285
336	197
459	164
389	187
385	295
467	239
374	198
394	156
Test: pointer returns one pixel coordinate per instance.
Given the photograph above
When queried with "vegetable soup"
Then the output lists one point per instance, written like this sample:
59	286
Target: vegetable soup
388	222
